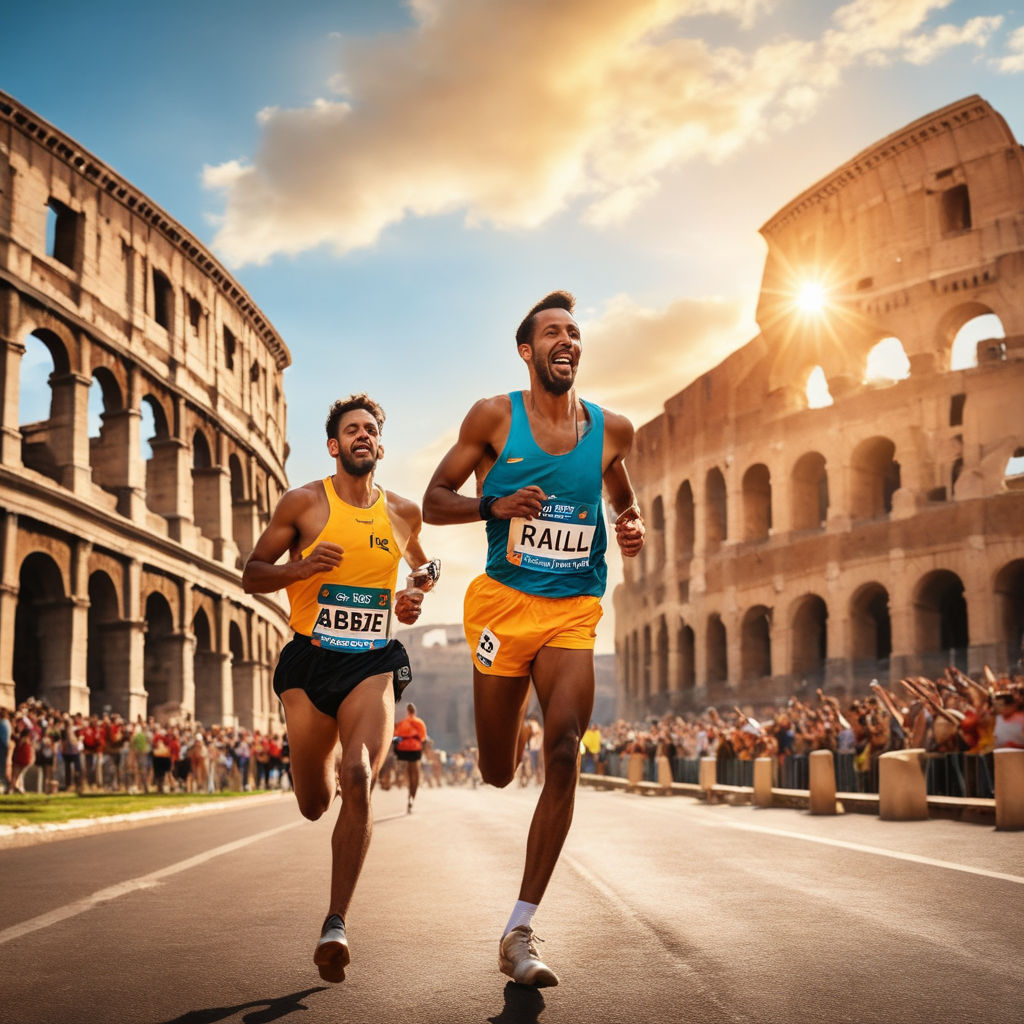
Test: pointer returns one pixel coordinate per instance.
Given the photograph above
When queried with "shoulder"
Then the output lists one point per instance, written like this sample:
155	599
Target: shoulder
618	429
404	508
486	414
298	499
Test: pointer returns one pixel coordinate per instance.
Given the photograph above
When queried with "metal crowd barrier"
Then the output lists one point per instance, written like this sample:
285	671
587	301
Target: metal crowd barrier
956	774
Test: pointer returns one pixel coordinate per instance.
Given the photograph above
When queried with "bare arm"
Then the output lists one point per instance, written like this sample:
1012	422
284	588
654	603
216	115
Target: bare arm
481	435
262	575
629	524
409	601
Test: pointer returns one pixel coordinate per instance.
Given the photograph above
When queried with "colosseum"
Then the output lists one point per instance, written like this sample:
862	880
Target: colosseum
843	497
142	447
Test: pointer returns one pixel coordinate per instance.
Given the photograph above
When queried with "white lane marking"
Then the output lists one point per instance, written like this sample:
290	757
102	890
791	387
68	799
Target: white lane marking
113	892
914	858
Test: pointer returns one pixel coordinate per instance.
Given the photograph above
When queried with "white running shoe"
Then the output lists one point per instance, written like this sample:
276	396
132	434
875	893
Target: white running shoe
332	954
518	958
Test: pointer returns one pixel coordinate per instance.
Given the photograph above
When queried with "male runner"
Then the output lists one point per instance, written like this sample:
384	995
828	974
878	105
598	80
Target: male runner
410	733
339	677
540	457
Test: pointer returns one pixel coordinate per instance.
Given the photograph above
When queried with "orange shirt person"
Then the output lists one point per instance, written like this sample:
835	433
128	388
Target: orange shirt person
410	735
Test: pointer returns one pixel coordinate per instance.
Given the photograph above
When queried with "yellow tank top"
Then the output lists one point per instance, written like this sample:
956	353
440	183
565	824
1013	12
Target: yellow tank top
349	608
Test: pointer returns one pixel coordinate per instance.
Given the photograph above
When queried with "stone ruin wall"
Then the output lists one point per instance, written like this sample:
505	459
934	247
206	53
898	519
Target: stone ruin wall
121	560
792	547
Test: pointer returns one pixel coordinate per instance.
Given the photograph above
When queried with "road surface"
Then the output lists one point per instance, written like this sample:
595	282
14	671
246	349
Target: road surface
661	910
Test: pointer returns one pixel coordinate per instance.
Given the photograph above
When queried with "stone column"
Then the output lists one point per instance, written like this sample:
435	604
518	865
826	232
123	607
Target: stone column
118	461
10	376
9	584
69	431
245	681
123	652
168	485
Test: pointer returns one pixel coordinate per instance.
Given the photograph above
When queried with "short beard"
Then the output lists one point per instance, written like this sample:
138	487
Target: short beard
354	468
551	384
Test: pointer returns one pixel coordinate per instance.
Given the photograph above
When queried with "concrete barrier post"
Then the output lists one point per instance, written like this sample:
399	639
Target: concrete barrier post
1009	788
902	795
763	782
822	782
706	777
664	773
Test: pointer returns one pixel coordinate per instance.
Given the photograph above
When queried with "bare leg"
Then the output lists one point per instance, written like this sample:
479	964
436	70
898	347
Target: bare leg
499	707
564	680
366	722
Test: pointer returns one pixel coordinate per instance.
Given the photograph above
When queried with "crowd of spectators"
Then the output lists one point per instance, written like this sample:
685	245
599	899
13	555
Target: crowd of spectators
94	753
957	720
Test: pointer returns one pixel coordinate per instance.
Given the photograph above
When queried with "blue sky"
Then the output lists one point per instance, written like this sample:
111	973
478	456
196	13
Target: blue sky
396	183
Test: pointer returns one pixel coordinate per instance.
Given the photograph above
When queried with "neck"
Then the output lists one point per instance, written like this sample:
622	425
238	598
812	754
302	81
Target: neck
556	408
354	490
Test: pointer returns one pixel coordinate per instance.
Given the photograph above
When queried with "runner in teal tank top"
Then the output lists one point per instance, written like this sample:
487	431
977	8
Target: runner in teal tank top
560	553
542	458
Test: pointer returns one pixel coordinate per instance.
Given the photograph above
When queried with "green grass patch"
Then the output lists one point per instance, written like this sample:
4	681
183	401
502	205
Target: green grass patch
37	809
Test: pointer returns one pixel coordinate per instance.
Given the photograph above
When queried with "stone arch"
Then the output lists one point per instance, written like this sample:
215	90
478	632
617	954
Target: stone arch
1013	473
42	630
809	620
46	442
241	507
887	362
716	650
162	474
205	487
810	492
104	668
757	502
982	335
207	662
716	518
161	658
870	631
660	680
816	389
874	478
685	522
687	657
756	644
1009	595
657	534
940	621
110	446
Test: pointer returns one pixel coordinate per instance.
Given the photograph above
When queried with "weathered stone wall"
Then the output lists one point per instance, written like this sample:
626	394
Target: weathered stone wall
881	535
121	554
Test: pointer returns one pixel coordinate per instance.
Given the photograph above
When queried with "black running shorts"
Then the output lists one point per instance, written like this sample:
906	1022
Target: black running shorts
328	677
409	755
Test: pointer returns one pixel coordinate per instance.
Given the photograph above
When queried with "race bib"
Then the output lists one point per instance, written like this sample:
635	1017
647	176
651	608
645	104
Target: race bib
487	648
352	618
558	540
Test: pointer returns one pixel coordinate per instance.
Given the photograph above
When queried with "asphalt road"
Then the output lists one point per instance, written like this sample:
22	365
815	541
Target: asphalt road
661	910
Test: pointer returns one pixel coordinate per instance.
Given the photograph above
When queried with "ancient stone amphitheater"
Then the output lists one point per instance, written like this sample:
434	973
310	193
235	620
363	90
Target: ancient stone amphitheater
154	453
800	536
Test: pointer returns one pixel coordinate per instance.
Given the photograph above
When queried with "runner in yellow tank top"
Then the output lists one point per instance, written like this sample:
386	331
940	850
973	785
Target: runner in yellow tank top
340	675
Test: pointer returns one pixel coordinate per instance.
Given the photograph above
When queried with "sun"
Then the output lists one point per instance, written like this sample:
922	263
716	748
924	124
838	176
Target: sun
811	298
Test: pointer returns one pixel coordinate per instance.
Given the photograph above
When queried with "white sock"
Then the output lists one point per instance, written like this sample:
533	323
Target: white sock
522	913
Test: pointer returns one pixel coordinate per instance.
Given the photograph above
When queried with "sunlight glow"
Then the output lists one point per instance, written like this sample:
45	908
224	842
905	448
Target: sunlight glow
812	297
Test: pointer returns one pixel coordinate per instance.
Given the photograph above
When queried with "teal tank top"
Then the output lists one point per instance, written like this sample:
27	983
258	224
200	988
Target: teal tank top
561	552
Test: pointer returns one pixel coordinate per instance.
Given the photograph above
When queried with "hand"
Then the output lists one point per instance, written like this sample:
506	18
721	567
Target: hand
408	605
630	532
525	503
323	558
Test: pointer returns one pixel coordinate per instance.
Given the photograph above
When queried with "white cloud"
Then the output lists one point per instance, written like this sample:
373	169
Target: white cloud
512	110
1013	62
924	48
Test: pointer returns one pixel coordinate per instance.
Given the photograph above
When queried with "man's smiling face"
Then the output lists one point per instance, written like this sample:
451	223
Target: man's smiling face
358	442
555	350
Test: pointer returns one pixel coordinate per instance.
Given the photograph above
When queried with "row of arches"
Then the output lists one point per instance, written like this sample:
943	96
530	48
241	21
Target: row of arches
147	450
190	652
745	651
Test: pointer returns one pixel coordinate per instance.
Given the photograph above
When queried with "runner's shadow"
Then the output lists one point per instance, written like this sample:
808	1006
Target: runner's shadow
523	1005
271	1010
